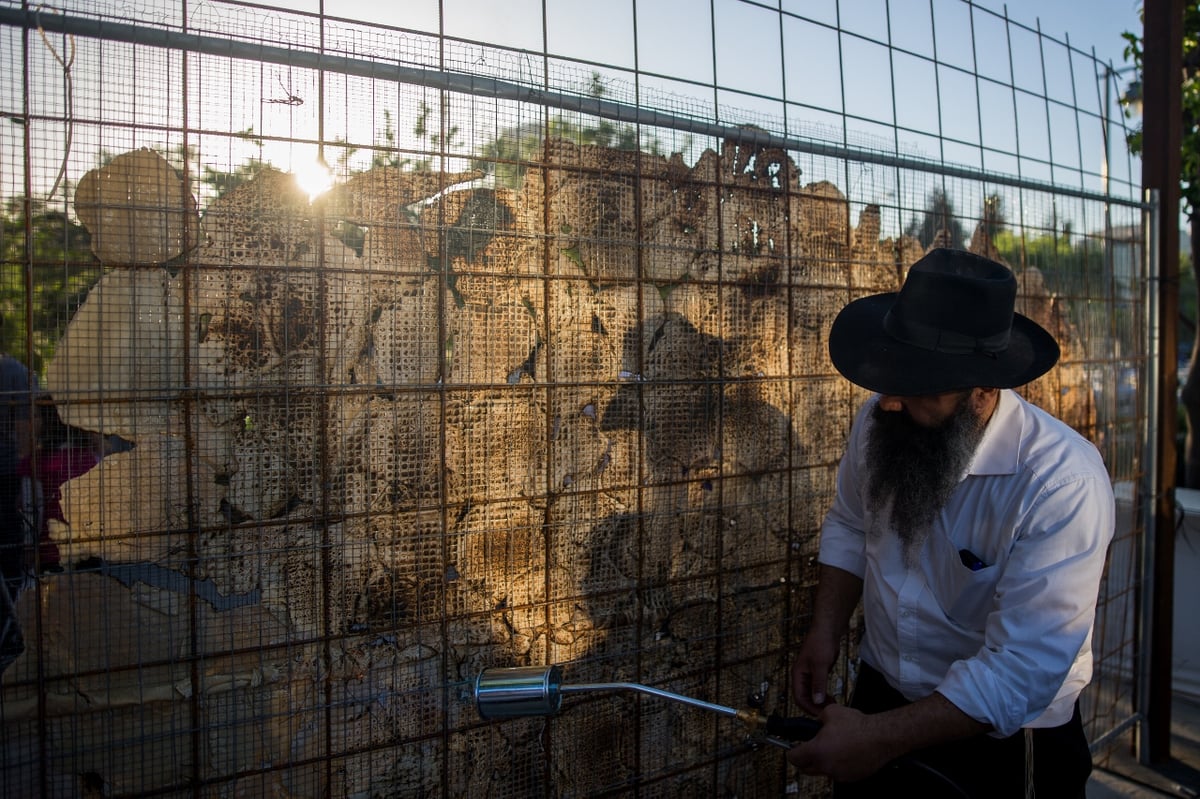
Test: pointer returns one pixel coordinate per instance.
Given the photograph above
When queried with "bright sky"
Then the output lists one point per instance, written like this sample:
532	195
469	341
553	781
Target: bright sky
756	60
676	37
1097	23
1091	23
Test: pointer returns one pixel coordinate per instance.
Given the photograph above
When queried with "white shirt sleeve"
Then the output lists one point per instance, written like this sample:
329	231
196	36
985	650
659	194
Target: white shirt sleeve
843	530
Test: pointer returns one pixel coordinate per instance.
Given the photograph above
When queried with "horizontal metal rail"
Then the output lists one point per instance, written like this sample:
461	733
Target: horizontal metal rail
484	86
1103	741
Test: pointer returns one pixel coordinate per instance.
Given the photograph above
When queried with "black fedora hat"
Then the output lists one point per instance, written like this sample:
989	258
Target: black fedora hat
950	327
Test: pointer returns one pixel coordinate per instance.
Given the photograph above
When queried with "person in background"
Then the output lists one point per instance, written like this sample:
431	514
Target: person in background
17	385
64	452
974	527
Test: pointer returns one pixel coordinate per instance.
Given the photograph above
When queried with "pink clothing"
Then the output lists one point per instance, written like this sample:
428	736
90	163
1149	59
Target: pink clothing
53	469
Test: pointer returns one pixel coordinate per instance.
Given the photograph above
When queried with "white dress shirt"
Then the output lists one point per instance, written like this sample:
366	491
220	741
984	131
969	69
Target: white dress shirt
1008	643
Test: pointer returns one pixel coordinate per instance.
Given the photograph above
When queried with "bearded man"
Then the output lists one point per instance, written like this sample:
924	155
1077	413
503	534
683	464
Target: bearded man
974	527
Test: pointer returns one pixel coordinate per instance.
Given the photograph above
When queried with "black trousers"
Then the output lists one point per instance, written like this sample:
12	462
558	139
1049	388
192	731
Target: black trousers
12	531
982	766
12	571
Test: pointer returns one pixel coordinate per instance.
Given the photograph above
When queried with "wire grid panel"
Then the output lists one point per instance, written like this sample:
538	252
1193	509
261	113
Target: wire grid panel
418	353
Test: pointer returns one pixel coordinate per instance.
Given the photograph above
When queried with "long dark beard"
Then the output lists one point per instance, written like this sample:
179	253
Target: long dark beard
915	469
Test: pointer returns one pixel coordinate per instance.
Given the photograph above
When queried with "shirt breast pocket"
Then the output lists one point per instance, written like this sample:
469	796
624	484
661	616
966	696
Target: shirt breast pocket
963	593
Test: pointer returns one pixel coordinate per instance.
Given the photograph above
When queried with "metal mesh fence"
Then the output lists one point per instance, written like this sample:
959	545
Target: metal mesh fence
396	352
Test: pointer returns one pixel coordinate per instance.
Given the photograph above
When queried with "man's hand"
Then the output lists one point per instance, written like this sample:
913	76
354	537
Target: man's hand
837	596
853	746
810	673
845	748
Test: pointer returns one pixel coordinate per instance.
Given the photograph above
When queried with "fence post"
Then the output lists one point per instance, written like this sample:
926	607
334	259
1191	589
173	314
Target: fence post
1163	32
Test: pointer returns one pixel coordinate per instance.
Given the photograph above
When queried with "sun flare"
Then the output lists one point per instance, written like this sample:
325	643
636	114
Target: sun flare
313	178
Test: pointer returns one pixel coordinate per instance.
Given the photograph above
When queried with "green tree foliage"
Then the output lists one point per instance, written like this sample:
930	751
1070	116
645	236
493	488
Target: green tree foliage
212	183
939	216
437	142
1071	266
432	142
1189	184
1189	176
55	252
993	216
219	181
507	156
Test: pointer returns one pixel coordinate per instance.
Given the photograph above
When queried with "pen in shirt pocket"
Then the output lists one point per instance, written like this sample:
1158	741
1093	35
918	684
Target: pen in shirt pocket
971	560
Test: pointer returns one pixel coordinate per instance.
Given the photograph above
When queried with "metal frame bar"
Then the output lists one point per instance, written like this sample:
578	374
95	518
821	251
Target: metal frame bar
1151	398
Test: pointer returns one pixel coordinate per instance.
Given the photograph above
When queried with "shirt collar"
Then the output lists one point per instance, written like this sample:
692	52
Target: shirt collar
1000	446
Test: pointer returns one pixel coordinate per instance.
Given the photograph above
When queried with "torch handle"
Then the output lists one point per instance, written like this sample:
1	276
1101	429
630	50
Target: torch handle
796	728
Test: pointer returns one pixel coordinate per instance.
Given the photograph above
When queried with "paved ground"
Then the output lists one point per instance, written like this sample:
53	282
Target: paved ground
1180	777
